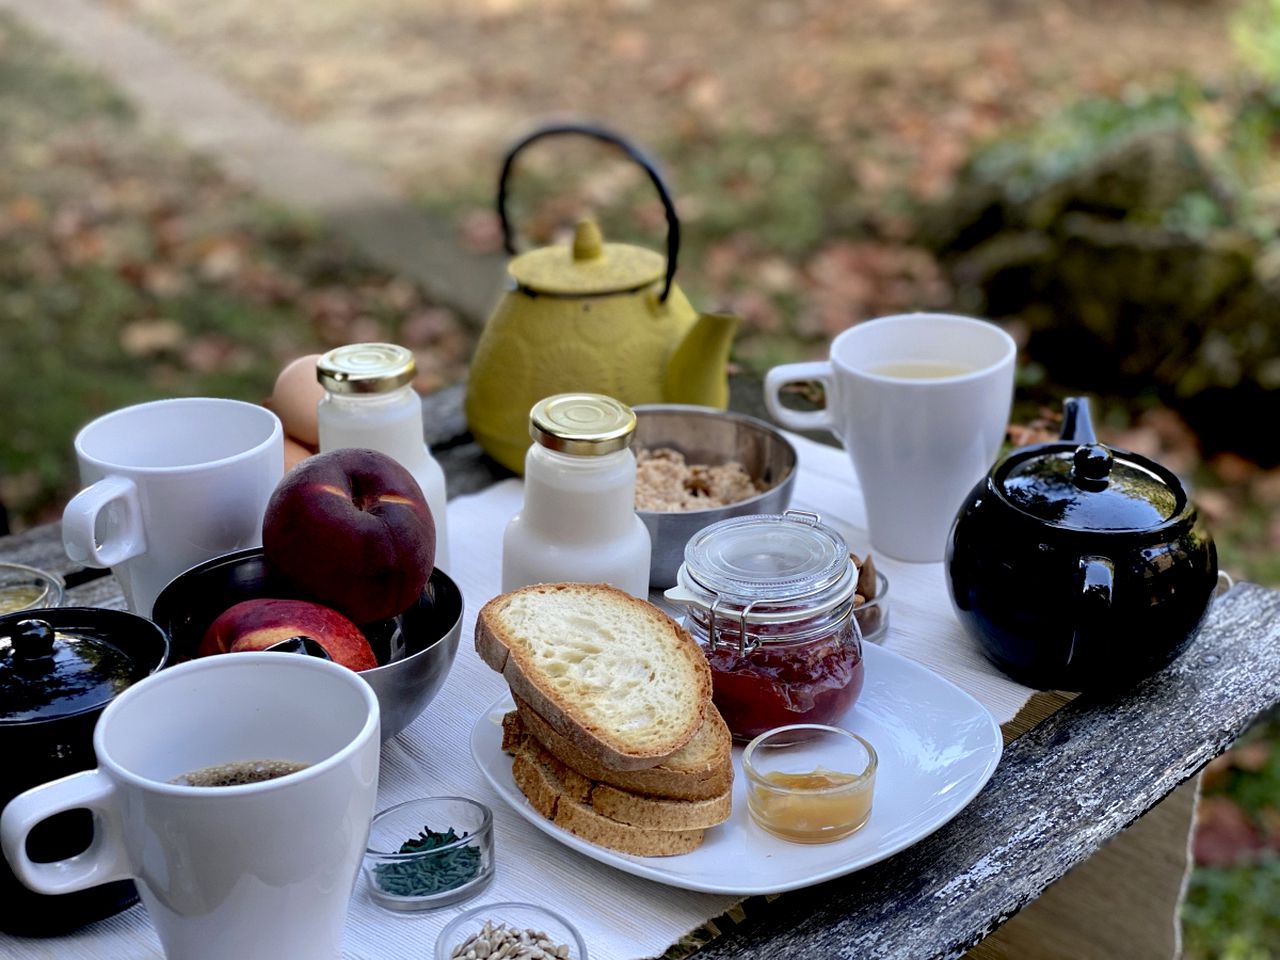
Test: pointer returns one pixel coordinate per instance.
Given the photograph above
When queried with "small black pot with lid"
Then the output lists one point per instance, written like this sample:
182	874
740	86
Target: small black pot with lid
1077	566
59	668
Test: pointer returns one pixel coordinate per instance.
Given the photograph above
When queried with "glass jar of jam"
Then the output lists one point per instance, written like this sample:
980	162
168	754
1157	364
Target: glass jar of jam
770	600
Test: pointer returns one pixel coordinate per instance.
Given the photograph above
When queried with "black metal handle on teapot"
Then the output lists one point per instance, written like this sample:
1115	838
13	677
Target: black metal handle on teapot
605	136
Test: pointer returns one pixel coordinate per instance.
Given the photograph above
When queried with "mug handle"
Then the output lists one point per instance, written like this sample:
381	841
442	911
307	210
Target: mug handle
779	377
104	861
80	522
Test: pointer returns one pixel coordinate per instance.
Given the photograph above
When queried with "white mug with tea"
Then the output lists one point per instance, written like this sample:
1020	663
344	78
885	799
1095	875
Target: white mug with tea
237	791
921	403
170	484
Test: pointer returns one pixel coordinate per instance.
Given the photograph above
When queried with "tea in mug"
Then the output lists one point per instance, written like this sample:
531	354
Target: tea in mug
920	370
238	773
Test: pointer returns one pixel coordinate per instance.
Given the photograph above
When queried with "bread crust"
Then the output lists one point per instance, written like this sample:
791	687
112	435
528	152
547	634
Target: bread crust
700	770
653	813
545	794
500	648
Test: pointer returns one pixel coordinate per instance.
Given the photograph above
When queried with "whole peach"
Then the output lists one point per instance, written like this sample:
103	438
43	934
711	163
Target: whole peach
351	528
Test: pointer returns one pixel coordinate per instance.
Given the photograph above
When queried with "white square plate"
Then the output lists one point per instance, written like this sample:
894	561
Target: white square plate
937	746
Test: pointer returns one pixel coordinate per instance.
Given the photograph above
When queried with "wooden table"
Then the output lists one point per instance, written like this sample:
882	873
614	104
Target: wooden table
1062	790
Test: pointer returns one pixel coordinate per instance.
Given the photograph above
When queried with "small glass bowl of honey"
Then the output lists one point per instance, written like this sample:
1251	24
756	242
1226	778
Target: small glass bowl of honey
809	783
26	588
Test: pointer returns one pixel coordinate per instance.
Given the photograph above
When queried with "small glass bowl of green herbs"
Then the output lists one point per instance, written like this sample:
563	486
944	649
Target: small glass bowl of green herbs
429	853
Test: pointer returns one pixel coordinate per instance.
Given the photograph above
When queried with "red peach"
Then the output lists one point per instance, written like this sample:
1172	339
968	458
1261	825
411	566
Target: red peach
257	624
352	529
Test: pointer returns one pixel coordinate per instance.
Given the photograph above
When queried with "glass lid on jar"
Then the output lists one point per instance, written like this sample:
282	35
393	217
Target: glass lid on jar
770	558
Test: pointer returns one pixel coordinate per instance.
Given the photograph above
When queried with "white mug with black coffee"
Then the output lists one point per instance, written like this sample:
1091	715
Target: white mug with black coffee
921	403
258	859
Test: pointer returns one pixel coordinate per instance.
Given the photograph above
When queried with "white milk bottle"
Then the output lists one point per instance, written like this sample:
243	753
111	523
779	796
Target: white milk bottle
579	522
370	403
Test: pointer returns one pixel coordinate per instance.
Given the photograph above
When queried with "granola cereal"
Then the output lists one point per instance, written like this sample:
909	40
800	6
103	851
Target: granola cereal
666	484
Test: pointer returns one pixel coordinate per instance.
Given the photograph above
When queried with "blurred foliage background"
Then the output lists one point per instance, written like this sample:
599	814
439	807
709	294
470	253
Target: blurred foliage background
1100	177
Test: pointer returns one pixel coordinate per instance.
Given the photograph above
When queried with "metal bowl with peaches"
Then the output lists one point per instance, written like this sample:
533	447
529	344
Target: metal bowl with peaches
414	650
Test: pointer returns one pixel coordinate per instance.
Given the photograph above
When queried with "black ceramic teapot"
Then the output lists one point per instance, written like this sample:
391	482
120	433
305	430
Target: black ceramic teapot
59	668
1076	566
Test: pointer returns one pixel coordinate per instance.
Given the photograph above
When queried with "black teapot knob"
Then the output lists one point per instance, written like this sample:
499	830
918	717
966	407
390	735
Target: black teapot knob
1091	465
32	639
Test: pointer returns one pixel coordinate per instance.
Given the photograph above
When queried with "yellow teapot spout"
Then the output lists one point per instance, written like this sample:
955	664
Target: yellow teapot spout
696	372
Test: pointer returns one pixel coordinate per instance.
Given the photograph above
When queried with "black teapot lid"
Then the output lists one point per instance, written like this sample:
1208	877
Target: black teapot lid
1086	485
55	664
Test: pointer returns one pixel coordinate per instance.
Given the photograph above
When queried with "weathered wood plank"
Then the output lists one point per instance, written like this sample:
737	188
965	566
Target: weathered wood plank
1060	792
38	547
1143	868
442	416
466	468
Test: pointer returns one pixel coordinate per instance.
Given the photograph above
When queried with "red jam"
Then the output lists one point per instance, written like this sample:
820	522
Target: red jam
776	683
787	582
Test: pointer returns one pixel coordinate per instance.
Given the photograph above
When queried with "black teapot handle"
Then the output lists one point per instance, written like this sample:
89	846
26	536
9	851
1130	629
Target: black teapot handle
605	136
1097	581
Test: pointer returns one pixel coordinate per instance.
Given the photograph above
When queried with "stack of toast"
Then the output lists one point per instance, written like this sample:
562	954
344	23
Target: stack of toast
614	735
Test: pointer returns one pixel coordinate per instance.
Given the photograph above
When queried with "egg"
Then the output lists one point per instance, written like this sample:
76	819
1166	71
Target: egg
294	453
296	395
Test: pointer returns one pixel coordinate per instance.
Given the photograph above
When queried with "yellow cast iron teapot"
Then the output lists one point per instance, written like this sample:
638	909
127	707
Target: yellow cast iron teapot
594	317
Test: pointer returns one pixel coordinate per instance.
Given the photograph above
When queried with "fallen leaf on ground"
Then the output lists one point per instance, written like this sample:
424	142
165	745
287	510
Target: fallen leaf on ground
145	338
1217	506
1224	834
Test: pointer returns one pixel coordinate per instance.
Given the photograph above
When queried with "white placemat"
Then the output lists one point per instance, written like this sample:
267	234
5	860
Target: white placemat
620	916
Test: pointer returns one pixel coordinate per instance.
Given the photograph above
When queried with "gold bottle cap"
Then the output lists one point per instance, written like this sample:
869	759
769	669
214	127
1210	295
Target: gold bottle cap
585	424
366	368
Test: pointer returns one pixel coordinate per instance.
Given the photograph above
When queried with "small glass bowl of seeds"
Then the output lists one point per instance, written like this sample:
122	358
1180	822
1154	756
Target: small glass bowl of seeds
512	931
429	853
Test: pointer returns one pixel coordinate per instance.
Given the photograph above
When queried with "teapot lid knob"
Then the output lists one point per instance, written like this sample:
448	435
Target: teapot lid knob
588	242
32	640
587	267
1092	464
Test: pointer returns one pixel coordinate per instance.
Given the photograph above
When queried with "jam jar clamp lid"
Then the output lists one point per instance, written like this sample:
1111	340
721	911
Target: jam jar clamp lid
770	568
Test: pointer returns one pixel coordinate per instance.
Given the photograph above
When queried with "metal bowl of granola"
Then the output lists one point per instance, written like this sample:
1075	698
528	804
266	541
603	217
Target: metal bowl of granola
697	465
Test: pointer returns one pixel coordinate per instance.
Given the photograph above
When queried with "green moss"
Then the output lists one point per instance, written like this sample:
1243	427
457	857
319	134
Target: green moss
1231	914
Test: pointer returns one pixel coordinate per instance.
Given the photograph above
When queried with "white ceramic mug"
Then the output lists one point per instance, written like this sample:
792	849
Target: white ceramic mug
170	484
921	402
261	871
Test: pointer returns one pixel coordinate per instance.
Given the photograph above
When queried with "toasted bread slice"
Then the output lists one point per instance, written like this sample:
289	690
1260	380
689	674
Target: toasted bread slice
700	770
546	795
613	675
625	807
